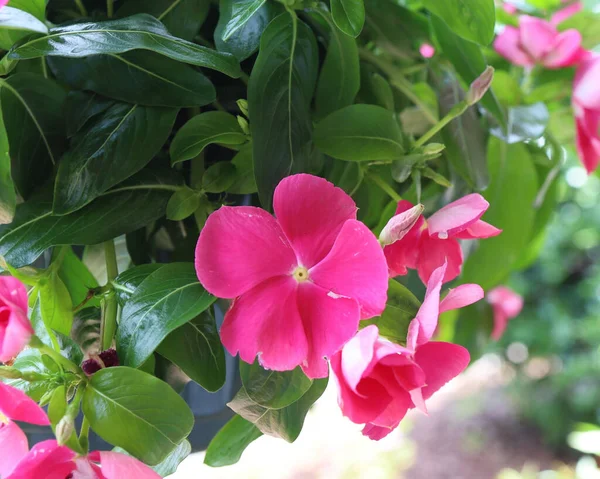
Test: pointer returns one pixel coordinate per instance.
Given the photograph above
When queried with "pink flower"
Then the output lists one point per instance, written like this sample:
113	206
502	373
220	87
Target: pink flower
586	103
300	282
566	12
426	50
506	305
432	242
509	8
49	460
378	381
537	41
16	406
3	3
15	328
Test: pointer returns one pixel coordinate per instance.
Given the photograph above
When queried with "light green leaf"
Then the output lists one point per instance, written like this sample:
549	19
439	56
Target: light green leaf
473	20
16	24
227	446
55	304
183	203
348	15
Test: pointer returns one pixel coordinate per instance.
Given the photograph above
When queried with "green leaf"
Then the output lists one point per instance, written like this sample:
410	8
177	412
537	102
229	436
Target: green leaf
227	446
507	88
169	465
37	8
32	112
588	24
348	15
16	24
219	177
280	91
8	194
163	302
133	205
285	423
138	32
128	281
82	106
244	182
339	80
375	89
240	13
525	123
139	76
360	133
138	412
473	20
273	389
203	130
196	348
183	203
402	307
56	411
30	361
76	277
469	63
55	303
511	194
132	133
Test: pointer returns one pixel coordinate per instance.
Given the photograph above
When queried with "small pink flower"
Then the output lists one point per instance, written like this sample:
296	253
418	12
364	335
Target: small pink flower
432	242
506	305
378	381
565	13
48	459
586	103
537	41
300	282
426	50
16	406
510	8
15	328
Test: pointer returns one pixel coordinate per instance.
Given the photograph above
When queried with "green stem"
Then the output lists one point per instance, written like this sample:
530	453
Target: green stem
84	434
44	67
375	178
109	310
456	111
110	9
58	358
81	8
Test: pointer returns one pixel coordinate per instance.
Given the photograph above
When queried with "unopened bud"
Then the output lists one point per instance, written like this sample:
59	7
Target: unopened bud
400	225
433	149
64	430
10	373
480	86
243	124
243	106
106	359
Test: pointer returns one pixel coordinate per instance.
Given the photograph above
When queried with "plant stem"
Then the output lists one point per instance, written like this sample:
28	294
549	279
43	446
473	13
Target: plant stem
375	178
109	310
84	434
110	9
81	8
44	67
58	358
457	110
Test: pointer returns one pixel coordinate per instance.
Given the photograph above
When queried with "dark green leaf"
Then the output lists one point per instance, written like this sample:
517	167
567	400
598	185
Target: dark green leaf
138	32
244	183
273	389
16	24
138	412
169	465
279	95
227	446
203	130
132	133
127	282
219	177
360	133
163	302
32	111
183	203
348	15
36	7
240	14
127	208
524	123
196	348
82	106
473	20
139	76
55	303
8	195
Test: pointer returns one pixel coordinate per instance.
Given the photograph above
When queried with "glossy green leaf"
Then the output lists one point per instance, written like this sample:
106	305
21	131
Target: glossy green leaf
16	24
203	130
8	194
76	277
37	8
473	20
280	91
273	389
227	446
525	123
244	182
138	32
32	112
240	13
127	208
339	80
348	15
285	423
169	465
139	76
132	133
127	282
138	412
469	63
511	194
196	348
82	106
55	303
219	177
183	203
30	361
163	302
360	133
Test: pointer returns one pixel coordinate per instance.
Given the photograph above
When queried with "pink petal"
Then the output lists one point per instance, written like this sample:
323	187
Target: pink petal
457	216
537	36
265	322
506	299
119	466
441	363
329	321
586	93
588	142
400	225
311	212
426	50
15	332
13	444
566	12
356	268
376	432
240	247
434	252
507	44
565	50
500	323
479	230
510	8
416	395
13	293
45	460
16	405
461	296
356	358
403	253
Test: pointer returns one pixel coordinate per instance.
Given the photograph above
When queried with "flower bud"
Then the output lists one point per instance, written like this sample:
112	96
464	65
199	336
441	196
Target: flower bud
10	373
243	106
64	429
105	359
243	124
480	86
433	149
399	225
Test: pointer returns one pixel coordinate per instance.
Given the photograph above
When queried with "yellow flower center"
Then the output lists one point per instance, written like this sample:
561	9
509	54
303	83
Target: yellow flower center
3	419
300	274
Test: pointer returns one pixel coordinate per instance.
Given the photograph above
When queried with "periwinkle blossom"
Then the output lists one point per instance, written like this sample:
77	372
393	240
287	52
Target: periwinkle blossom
586	104
15	327
300	281
506	305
